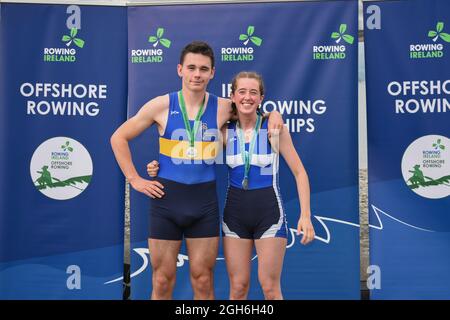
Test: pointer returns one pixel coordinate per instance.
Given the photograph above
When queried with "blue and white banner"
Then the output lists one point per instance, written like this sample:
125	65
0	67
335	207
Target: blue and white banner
307	54
407	45
63	93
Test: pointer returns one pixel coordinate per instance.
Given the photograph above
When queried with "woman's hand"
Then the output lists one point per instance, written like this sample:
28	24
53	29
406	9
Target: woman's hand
305	226
153	168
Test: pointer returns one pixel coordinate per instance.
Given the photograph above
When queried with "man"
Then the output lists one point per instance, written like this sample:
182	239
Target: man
185	203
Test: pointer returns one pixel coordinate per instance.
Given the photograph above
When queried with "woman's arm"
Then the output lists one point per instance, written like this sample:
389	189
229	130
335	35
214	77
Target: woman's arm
287	150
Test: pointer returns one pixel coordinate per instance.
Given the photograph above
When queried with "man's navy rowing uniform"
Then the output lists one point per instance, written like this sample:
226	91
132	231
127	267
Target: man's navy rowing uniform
189	206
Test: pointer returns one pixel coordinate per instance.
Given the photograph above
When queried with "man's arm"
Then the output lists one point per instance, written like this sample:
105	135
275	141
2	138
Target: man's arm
150	113
275	124
224	112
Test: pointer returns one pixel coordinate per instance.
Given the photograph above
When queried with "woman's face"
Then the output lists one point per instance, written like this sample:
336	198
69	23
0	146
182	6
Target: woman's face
247	96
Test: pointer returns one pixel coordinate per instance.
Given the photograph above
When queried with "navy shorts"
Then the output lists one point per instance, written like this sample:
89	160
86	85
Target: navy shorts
185	209
254	214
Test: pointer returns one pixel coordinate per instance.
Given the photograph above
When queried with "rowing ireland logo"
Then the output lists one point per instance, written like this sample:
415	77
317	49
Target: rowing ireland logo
426	166
61	168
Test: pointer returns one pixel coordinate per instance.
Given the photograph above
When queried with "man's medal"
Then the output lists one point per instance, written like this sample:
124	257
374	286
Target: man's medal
191	152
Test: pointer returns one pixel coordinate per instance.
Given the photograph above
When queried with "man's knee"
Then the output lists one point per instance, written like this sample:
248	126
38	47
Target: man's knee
202	279
163	281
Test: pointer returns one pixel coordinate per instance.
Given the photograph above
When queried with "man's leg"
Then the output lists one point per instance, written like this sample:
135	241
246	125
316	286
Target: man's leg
202	259
238	255
163	257
270	263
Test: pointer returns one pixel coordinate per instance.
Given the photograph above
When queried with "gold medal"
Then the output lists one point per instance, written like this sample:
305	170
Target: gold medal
191	152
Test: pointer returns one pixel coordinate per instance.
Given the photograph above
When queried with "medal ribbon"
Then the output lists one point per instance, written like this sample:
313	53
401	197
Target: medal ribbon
247	156
191	132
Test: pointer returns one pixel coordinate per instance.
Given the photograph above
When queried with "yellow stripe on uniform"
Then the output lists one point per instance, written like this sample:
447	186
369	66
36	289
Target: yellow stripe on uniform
205	150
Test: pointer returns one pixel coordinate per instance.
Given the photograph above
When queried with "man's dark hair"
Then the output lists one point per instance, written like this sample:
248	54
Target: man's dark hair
198	47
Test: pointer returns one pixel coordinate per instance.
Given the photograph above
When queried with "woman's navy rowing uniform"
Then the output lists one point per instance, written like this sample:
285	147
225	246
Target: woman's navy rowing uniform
189	206
257	212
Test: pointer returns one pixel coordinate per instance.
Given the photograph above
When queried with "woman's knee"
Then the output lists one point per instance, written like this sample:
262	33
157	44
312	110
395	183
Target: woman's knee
239	289
271	287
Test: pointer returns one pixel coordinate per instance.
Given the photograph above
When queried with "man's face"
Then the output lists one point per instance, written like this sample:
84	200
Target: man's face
196	71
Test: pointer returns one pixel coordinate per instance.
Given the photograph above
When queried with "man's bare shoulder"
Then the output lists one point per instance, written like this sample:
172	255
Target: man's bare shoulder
157	104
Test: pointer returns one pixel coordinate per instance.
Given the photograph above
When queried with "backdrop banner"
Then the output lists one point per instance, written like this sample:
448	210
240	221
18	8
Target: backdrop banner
307	54
408	86
63	92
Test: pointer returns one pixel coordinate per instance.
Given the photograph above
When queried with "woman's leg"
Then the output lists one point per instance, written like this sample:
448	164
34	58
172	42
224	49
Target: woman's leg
270	263
238	254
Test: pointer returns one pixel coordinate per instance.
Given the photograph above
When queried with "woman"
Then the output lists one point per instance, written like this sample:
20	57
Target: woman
254	214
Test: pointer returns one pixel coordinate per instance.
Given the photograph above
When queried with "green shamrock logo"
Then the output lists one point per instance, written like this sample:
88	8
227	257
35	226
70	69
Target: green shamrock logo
250	37
66	147
341	35
78	42
438	145
438	33
155	40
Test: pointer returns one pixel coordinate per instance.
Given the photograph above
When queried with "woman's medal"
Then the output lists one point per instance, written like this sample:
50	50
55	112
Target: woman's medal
247	155
245	183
